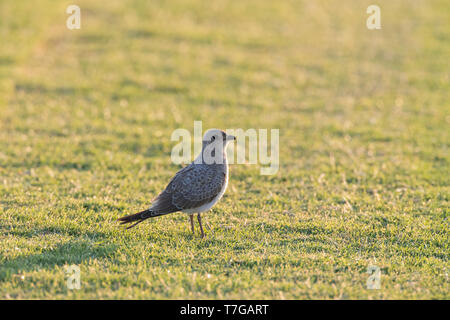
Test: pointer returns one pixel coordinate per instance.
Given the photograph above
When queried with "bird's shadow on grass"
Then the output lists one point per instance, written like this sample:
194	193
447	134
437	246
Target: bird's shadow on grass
41	231
67	253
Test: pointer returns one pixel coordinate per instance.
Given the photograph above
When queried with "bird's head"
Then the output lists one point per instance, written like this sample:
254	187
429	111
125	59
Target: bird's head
217	138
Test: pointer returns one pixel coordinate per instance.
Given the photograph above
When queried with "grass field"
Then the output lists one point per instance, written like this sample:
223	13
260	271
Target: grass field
86	118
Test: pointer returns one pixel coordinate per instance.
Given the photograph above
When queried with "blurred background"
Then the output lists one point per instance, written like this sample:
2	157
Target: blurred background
86	118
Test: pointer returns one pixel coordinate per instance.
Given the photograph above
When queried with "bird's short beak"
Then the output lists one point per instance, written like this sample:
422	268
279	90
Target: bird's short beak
231	138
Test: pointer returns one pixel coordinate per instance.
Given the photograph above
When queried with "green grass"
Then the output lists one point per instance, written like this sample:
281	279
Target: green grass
85	124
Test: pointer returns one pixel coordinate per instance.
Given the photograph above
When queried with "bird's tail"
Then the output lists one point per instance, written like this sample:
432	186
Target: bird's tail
138	217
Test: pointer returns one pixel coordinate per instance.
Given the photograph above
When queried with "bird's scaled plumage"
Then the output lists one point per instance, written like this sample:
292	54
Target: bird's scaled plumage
196	187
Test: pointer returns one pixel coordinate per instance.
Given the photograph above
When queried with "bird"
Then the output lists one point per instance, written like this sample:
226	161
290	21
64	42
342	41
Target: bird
195	188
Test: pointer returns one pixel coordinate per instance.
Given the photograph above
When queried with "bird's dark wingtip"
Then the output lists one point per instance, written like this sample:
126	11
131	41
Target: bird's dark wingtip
137	217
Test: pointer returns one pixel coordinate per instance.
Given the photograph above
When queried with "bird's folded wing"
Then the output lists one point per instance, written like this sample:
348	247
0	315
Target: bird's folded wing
192	187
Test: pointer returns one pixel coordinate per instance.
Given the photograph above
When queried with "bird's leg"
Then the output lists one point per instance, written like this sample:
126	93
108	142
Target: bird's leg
200	223
191	216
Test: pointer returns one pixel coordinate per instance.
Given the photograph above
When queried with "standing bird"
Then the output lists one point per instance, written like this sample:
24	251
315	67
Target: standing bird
195	188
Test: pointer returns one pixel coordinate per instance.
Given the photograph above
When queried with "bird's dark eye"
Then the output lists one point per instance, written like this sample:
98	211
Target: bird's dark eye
213	138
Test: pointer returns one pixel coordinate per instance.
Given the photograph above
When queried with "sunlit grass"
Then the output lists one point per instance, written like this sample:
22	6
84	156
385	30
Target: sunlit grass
86	118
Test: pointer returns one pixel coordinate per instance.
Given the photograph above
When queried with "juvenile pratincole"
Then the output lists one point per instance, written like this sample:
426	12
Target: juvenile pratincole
195	188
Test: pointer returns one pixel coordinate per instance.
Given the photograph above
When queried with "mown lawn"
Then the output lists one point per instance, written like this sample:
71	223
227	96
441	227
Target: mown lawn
86	118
